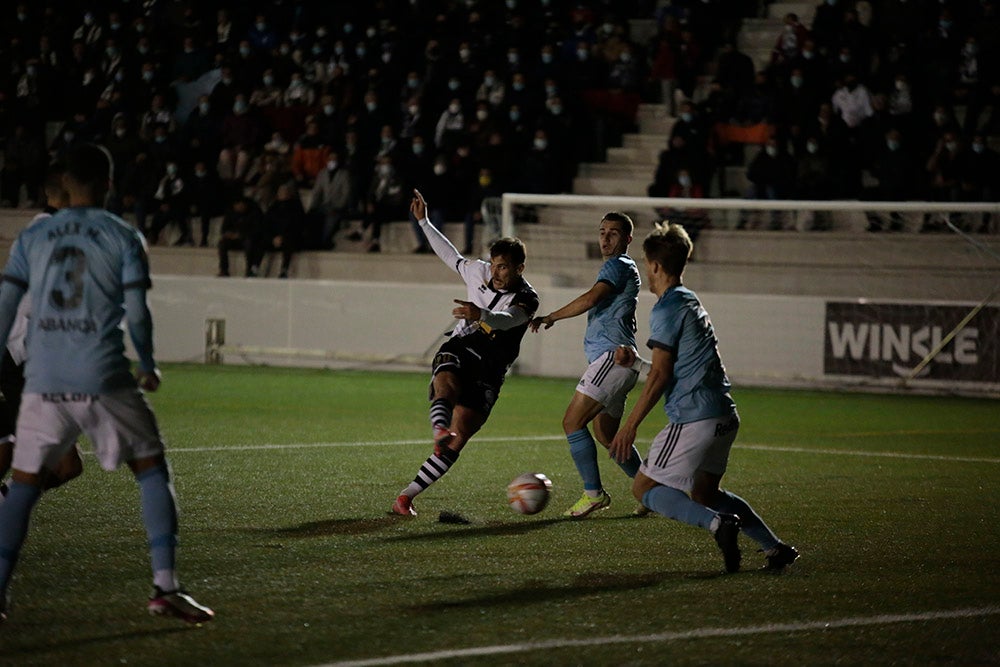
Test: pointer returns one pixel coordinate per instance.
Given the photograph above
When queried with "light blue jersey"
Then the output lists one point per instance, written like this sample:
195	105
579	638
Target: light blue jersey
611	322
699	389
77	266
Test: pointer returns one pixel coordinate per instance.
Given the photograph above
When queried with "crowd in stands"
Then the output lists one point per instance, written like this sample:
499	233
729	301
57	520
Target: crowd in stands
229	109
216	109
888	100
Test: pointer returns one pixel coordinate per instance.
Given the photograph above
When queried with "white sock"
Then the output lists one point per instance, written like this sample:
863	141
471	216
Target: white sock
166	580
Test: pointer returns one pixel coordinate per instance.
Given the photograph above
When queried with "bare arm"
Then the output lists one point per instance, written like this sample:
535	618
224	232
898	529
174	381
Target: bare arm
660	374
577	306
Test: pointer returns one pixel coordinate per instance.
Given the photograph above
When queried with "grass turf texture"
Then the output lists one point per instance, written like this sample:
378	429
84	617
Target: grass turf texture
292	546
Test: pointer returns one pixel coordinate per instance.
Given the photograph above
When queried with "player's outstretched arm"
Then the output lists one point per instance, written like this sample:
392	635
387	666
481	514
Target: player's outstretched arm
439	243
577	306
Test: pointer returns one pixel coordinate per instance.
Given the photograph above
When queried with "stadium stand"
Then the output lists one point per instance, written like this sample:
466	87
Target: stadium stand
878	99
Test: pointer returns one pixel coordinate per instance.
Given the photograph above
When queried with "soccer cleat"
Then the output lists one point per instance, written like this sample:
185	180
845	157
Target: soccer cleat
404	506
179	605
585	505
442	437
726	536
780	557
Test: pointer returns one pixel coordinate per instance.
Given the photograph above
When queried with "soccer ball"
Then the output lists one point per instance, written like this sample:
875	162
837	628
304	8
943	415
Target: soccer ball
529	493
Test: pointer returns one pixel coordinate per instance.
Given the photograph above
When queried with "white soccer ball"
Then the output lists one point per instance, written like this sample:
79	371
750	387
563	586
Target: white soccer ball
529	493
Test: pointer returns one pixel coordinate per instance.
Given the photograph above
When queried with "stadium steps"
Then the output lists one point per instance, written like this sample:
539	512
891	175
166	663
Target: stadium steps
839	263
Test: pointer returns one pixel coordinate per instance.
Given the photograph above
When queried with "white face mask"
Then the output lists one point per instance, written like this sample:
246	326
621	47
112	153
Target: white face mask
453	108
772	151
482	114
440	169
541	144
331	165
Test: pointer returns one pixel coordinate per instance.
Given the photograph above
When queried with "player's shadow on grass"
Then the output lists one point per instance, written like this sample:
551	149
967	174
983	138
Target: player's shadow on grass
543	592
74	642
332	527
485	530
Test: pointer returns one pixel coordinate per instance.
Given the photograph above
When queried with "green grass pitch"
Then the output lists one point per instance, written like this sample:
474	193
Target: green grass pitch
285	476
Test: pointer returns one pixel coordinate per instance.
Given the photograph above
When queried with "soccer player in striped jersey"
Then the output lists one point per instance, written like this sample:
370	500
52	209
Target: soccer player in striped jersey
85	269
600	395
680	478
468	370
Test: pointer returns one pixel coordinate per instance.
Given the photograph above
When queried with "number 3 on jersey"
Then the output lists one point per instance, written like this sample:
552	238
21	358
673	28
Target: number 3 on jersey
72	263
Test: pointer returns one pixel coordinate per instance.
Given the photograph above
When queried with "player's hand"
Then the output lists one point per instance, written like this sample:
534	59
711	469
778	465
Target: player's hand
466	310
625	355
620	448
418	207
539	322
149	380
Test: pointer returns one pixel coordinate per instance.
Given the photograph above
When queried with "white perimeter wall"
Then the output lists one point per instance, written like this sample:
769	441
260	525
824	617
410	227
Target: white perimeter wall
762	338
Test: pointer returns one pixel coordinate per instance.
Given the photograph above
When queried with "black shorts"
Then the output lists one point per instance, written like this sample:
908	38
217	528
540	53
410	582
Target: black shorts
479	380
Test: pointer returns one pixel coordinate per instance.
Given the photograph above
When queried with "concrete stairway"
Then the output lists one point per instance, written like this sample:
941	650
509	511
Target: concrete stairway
630	168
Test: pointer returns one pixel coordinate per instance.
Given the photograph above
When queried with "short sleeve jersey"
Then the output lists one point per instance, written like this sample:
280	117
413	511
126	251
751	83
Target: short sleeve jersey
611	322
76	266
699	388
500	347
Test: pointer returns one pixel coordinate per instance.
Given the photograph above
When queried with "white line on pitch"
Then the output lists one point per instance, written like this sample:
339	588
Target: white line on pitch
550	438
697	633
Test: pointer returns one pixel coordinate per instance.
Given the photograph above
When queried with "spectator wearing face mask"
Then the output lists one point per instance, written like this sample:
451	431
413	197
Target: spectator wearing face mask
789	44
439	181
894	178
538	171
329	203
450	127
491	89
813	182
242	133
772	176
171	206
299	93
200	132
386	201
268	94
261	37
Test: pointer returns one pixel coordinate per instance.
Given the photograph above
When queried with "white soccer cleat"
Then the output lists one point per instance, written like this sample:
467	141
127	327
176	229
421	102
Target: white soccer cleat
178	605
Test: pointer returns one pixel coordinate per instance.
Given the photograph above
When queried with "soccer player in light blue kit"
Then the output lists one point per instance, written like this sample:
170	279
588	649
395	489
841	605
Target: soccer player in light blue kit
690	455
600	395
85	269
